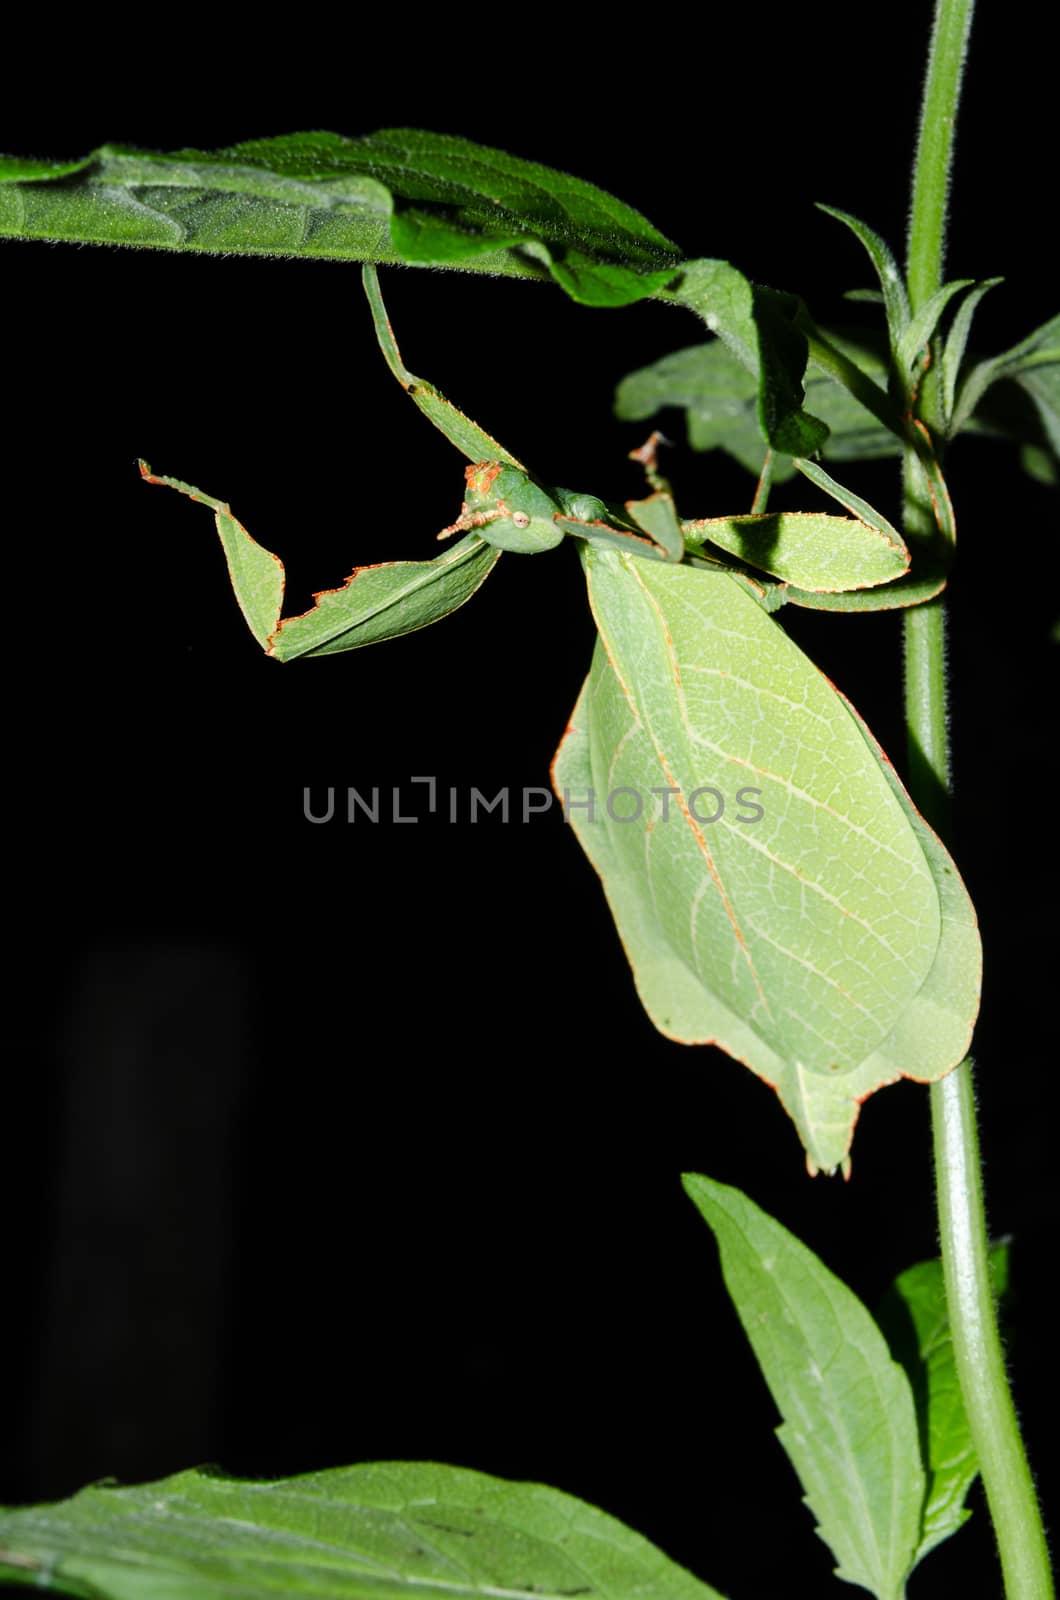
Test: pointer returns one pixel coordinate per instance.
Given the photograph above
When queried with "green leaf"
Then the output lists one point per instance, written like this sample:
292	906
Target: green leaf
401	194
854	433
915	1318
922	327
1042	384
870	520
759	326
1025	409
895	299
1037	464
849	1424
828	943
957	340
375	602
383	1531
1040	348
720	399
1029	350
829	355
782	354
719	395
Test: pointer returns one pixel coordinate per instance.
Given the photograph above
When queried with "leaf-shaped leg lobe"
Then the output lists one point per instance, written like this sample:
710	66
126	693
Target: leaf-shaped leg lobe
375	602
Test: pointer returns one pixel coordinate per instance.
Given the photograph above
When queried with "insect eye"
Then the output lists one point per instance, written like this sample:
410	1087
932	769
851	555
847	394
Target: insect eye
520	519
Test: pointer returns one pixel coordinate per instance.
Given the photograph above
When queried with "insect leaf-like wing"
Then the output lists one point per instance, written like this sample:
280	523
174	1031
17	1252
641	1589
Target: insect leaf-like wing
828	944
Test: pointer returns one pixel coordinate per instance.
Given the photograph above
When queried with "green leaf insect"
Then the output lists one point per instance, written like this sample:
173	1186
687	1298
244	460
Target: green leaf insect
821	935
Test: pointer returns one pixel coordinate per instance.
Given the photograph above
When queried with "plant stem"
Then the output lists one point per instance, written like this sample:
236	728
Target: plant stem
958	1177
938	117
980	1363
931	173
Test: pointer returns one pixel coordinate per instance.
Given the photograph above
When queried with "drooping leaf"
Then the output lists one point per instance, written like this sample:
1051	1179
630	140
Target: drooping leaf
827	942
782	355
383	1531
849	1424
915	1319
375	602
401	194
760	328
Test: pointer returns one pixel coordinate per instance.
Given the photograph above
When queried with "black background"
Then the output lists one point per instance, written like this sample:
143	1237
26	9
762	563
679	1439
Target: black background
333	1143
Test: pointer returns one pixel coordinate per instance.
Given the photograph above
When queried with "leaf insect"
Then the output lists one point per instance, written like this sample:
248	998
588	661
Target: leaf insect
831	945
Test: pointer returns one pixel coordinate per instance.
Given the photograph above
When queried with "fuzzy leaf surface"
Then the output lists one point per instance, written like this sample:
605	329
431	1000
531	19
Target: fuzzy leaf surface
383	1531
401	194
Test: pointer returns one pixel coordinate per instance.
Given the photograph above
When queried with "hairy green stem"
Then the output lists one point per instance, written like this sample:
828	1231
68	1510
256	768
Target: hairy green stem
980	1362
958	1176
931	174
934	152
